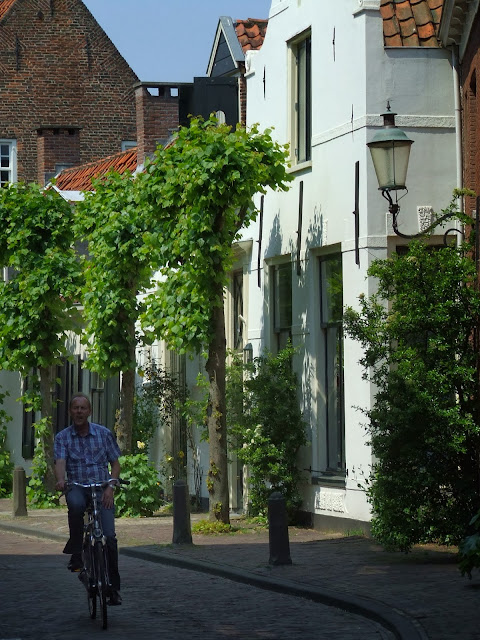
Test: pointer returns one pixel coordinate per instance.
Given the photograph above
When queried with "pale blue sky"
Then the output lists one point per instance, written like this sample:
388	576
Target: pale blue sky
169	40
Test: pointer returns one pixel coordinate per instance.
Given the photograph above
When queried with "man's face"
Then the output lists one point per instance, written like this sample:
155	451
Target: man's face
79	411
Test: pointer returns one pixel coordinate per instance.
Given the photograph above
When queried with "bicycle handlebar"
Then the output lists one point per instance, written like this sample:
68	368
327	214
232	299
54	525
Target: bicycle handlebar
103	485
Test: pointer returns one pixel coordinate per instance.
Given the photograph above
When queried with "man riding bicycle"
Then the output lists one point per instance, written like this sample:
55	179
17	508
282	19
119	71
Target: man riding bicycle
83	452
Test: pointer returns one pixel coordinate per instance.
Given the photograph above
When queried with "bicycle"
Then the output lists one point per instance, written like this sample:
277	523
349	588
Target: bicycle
95	573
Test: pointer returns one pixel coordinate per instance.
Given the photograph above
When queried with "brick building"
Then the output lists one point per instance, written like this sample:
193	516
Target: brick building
460	32
67	93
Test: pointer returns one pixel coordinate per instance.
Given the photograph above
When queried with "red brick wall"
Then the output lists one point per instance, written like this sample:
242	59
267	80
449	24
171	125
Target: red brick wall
157	117
242	93
56	146
470	77
60	71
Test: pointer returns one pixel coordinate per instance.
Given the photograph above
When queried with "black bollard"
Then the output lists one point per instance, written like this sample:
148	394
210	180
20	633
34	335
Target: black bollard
19	492
182	531
278	530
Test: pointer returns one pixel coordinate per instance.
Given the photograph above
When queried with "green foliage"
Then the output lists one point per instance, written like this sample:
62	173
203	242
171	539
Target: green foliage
38	494
37	305
421	352
142	497
113	223
207	527
146	420
198	192
469	548
266	427
38	302
6	464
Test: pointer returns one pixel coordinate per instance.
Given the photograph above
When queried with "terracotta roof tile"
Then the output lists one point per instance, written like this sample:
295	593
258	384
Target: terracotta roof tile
403	10
251	33
80	178
5	6
422	14
408	28
411	23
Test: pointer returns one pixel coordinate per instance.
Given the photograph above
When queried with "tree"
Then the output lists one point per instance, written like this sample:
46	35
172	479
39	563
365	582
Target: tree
266	427
37	301
198	192
117	269
419	334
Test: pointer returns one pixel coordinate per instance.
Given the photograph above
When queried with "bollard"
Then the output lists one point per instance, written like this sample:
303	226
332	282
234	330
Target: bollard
278	530
182	531
19	492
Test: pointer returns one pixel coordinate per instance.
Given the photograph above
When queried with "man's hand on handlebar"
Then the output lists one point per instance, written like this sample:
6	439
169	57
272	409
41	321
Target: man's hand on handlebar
107	497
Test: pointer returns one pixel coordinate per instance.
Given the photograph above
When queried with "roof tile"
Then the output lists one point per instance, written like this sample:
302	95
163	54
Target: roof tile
411	23
403	10
422	13
251	33
80	178
408	28
5	6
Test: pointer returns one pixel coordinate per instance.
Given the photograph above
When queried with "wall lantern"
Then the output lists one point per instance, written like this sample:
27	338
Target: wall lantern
390	151
248	353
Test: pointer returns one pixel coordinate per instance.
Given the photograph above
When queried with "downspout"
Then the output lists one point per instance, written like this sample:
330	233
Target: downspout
458	117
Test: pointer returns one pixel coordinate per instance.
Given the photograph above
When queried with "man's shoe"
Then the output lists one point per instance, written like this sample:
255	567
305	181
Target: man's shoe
115	598
76	563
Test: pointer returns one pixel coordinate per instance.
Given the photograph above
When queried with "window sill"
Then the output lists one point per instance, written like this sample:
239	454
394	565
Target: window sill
301	166
330	480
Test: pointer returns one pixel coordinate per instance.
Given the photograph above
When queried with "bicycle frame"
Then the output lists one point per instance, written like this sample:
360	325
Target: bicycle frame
95	573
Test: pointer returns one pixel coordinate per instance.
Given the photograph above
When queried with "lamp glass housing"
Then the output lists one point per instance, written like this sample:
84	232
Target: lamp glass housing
390	151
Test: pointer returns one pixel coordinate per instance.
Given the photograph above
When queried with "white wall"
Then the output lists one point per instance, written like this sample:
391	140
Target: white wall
352	79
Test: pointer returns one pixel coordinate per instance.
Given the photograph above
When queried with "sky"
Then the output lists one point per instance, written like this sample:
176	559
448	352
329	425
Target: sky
169	40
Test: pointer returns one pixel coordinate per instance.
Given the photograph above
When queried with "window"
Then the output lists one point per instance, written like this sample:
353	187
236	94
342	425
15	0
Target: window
331	301
238	319
8	158
282	304
128	144
302	99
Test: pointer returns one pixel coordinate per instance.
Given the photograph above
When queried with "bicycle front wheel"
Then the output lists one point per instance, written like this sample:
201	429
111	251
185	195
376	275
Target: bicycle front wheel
89	579
102	582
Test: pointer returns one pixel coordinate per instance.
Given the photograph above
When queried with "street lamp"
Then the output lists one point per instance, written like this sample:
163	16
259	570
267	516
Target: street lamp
390	151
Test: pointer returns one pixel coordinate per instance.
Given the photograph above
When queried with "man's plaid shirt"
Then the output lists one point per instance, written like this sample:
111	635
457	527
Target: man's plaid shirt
86	457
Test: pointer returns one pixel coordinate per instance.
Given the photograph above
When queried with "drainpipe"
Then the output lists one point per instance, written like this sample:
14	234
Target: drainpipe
458	117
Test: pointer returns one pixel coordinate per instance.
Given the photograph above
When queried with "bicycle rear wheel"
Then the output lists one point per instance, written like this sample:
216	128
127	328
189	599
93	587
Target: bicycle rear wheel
102	582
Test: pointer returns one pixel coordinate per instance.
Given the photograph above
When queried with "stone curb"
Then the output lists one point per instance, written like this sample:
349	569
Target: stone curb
393	620
402	627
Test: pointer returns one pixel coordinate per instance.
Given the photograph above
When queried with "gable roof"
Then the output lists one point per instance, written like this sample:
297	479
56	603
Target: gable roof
5	5
80	178
411	23
232	40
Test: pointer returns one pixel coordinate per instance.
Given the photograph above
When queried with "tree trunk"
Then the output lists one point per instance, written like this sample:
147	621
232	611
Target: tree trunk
48	436
125	420
217	479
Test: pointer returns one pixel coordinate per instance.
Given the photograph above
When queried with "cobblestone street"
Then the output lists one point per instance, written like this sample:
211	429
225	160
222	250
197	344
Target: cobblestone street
41	600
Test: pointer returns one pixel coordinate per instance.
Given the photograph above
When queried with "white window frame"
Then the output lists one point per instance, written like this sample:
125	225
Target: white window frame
11	169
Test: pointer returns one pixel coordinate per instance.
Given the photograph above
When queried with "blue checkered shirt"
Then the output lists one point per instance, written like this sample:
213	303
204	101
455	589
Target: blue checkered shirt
86	457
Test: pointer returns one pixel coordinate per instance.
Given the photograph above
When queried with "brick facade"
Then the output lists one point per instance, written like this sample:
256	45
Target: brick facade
470	77
157	116
67	93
